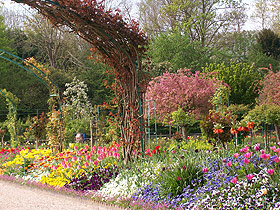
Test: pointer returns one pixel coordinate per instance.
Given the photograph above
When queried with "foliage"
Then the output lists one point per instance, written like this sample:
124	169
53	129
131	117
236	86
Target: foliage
38	126
265	113
176	178
242	79
190	91
217	120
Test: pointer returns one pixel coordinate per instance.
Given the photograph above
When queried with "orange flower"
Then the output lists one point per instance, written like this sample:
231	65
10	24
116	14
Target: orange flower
233	131
250	125
218	131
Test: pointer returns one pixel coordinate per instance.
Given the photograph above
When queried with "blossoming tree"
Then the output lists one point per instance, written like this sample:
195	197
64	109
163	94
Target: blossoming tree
115	42
184	90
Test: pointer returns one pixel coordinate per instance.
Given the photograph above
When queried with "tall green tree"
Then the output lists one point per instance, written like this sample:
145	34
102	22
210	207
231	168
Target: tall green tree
177	49
242	78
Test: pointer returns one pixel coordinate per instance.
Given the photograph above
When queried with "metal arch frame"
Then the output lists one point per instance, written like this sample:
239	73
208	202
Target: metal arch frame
3	52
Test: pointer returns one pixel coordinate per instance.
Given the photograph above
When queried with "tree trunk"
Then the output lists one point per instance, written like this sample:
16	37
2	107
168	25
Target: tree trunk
2	139
185	131
277	131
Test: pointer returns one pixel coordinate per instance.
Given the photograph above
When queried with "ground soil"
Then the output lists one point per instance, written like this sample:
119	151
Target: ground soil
14	196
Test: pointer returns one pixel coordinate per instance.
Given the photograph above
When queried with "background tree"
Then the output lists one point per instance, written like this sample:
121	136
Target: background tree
203	20
177	49
270	43
262	13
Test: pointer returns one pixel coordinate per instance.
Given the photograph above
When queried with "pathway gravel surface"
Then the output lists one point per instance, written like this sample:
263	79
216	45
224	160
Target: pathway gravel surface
14	196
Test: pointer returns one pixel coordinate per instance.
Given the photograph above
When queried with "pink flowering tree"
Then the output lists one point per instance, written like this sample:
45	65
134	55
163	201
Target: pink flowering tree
270	98
187	91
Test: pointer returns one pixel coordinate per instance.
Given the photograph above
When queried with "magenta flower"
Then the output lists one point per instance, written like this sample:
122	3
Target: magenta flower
95	162
78	167
246	160
179	178
173	152
276	159
229	163
224	160
257	147
265	156
270	171
262	151
236	155
75	147
243	150
250	176
234	180
205	170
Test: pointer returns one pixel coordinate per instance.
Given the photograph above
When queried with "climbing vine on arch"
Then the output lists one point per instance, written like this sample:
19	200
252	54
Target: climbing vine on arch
12	102
115	42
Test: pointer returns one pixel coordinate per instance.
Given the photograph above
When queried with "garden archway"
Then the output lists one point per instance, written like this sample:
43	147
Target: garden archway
115	42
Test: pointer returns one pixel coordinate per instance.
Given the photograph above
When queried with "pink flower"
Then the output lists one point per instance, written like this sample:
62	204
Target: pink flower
236	155
224	160
110	154
234	180
179	178
250	176
262	151
75	147
86	164
265	156
86	148
90	160
65	159
229	163
68	165
257	147
173	152
276	159
246	160
247	155
205	170
78	167
243	150
79	159
73	159
95	162
273	148
118	156
87	157
278	144
270	171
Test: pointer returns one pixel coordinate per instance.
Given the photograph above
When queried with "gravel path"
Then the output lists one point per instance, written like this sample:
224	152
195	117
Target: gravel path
17	197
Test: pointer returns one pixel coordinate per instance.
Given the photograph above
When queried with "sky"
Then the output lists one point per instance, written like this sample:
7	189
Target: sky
249	25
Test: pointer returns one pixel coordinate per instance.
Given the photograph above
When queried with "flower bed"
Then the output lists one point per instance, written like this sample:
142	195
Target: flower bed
177	177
